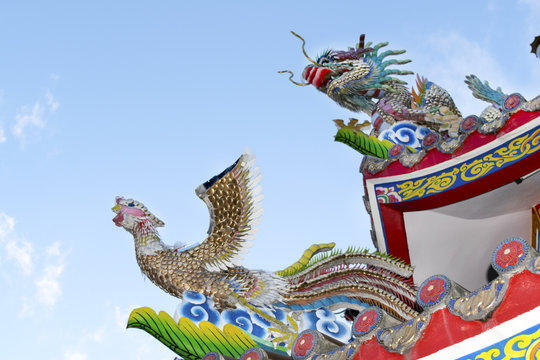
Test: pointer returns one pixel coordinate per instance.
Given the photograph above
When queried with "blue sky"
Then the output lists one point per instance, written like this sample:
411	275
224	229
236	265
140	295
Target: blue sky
150	99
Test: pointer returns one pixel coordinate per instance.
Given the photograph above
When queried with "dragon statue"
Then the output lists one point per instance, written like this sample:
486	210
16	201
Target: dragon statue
360	80
334	279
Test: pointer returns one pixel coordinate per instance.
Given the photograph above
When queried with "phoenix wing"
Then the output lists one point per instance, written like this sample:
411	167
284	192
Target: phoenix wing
234	212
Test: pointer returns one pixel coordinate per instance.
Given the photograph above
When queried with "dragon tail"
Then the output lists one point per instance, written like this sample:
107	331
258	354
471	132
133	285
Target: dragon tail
482	90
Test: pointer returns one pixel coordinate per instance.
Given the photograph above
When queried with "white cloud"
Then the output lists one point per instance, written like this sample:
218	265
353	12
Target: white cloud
48	286
86	341
54	249
28	118
533	12
153	349
2	135
452	56
46	281
7	224
122	315
74	355
27	309
52	103
19	250
34	117
95	336
22	252
2	132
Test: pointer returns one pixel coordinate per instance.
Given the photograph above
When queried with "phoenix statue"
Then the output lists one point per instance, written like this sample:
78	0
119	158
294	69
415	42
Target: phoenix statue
332	279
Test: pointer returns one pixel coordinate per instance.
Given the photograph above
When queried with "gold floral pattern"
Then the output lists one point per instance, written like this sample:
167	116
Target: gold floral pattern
518	148
434	184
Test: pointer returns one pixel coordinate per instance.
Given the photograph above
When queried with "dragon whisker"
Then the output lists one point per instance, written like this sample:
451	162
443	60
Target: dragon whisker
290	78
303	47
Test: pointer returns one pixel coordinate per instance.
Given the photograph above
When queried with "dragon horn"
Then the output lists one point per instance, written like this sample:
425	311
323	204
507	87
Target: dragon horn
361	41
303	47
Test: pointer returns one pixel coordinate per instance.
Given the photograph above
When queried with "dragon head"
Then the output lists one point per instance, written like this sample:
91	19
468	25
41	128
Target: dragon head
131	213
353	77
332	64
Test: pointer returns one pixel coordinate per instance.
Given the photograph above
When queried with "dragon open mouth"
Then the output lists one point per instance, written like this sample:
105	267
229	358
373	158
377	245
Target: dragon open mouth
317	76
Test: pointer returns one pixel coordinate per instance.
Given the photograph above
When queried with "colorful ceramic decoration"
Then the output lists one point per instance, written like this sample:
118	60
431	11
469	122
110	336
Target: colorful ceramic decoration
304	344
212	355
510	254
525	345
188	340
360	79
421	155
254	354
367	321
470	170
479	304
332	280
403	337
433	291
198	307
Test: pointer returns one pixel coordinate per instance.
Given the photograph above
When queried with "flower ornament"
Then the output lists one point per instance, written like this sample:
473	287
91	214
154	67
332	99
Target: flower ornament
512	102
366	321
509	254
430	140
251	355
433	290
395	151
469	124
387	195
303	344
210	356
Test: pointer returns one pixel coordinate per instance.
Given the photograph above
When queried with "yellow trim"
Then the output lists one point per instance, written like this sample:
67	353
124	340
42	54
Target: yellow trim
471	170
523	346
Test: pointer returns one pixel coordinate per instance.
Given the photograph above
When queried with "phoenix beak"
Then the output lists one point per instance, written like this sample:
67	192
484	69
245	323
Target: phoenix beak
116	208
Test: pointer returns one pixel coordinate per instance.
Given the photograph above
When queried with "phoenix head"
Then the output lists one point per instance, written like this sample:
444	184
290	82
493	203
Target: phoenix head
130	214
